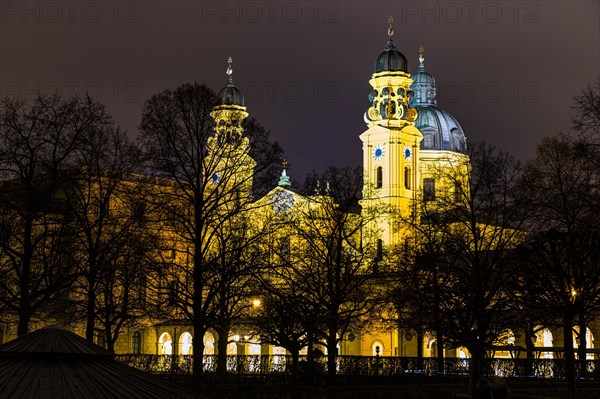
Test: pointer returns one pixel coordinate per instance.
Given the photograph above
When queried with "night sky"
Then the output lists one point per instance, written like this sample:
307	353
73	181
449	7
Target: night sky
506	70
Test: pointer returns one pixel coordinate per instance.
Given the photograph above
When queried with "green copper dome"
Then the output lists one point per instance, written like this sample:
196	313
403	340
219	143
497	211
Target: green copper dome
441	131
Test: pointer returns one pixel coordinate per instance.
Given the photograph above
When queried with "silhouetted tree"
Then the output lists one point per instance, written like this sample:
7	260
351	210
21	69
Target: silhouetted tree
286	317
562	267
106	207
330	263
465	237
121	298
38	142
587	110
180	147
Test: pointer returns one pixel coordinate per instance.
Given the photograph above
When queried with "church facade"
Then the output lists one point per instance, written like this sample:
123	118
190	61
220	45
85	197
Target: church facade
407	140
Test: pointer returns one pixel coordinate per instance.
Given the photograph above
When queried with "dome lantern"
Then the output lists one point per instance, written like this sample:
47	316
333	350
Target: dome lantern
423	84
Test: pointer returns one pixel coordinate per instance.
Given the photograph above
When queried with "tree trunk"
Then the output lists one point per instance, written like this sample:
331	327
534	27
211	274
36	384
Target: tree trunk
439	339
295	363
90	325
331	353
529	345
420	337
198	349
475	373
198	322
440	351
25	312
582	347
110	341
569	352
24	319
222	349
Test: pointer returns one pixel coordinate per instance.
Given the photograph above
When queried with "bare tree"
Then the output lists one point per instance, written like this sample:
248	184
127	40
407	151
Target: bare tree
587	110
466	236
330	263
121	298
208	183
563	273
37	156
285	317
106	206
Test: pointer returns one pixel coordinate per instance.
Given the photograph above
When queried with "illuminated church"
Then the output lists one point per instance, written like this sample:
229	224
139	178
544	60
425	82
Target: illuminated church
408	139
407	142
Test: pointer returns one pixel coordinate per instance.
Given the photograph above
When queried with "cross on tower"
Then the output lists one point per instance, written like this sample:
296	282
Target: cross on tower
390	29
229	68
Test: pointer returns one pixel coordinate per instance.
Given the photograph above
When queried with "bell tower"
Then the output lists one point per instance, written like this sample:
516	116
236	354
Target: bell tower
391	142
230	165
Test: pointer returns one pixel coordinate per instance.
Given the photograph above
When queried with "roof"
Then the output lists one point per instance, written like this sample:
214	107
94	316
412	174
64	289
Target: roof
56	363
441	131
390	59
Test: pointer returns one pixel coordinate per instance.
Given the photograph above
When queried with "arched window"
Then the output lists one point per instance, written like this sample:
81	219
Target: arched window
377	348
165	344
457	191
232	346
185	344
379	174
407	177
544	338
429	189
428	141
209	344
136	343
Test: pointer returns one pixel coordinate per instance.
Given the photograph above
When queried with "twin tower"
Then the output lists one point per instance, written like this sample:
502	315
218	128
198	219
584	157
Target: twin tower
410	146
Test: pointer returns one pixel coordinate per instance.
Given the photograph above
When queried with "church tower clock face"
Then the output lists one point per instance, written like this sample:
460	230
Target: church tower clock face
407	153
378	153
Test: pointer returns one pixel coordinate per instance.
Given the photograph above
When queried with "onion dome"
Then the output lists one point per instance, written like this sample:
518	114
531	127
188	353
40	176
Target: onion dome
229	94
390	59
441	131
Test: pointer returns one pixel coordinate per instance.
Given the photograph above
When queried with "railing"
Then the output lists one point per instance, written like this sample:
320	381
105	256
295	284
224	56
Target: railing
356	366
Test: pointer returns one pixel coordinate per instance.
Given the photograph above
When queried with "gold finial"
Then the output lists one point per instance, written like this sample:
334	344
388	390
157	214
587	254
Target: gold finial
229	68
421	54
390	29
285	164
